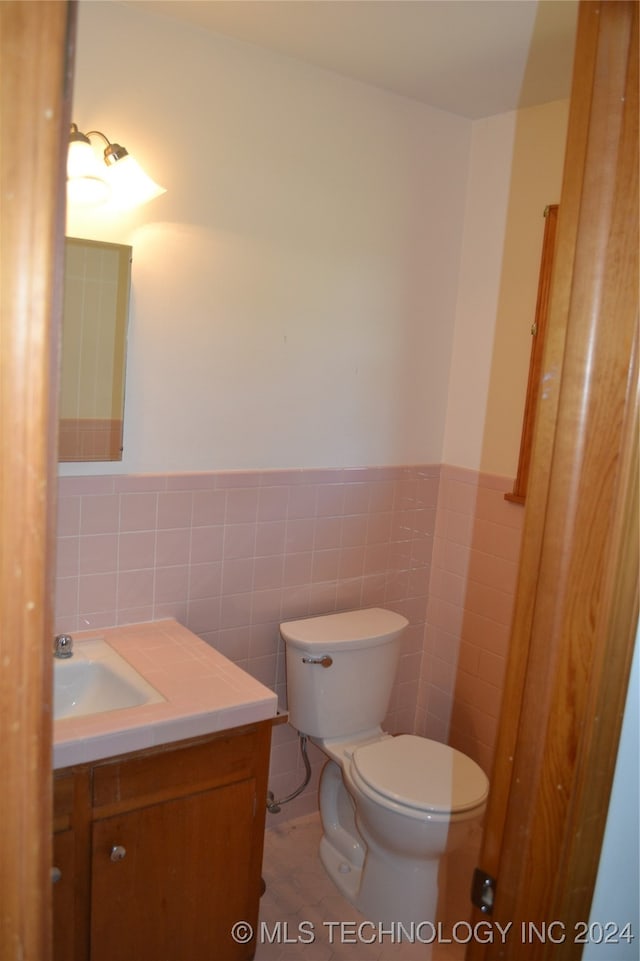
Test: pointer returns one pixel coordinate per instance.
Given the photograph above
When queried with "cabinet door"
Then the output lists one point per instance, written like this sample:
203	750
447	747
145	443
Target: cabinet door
178	881
63	896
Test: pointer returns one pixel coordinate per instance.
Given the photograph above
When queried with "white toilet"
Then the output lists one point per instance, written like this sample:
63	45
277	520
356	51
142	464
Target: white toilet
390	806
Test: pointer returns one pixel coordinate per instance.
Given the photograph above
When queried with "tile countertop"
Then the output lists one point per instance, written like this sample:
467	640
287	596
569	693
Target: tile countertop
204	691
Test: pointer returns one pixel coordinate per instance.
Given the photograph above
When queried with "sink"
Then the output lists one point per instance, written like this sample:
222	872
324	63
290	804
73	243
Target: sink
97	679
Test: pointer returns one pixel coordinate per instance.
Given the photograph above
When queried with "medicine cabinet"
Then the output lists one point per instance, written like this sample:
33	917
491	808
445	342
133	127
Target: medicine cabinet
97	279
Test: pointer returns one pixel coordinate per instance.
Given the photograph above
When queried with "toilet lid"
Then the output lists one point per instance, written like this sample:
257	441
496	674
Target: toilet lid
346	630
422	774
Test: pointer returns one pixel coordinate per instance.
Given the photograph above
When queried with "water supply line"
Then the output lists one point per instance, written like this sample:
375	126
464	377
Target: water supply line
273	806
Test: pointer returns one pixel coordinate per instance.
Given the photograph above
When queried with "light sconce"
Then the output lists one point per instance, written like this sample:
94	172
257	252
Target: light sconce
119	180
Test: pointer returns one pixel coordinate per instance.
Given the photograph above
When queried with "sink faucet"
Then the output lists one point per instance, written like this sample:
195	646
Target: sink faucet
63	646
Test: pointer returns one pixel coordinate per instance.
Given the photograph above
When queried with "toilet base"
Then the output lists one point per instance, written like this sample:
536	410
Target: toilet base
384	886
348	881
396	891
346	876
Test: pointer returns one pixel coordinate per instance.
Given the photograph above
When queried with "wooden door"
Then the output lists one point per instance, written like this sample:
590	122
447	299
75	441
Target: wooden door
34	122
183	880
576	606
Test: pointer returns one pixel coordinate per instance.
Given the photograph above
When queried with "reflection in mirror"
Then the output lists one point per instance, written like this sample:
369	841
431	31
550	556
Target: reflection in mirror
94	337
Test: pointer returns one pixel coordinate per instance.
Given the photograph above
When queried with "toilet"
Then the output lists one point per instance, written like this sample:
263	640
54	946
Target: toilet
391	807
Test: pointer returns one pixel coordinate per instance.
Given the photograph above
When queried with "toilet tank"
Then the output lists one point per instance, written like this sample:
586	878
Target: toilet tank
350	694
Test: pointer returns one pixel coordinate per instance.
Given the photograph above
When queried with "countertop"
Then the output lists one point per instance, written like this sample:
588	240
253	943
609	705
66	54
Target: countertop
204	692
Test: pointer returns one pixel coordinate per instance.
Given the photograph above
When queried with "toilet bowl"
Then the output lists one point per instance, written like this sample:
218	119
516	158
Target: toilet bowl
391	807
412	801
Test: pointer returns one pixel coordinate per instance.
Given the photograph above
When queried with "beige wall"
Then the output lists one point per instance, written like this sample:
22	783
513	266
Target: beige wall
335	277
515	172
294	290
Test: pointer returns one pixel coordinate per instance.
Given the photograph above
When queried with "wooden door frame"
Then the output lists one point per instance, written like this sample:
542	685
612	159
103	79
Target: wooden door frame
34	116
34	119
576	609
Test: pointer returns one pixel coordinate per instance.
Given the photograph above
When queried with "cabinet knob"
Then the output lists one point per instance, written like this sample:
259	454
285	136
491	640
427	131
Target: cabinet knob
117	853
56	874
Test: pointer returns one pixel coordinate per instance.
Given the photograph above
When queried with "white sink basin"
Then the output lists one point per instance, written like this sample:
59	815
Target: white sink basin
97	679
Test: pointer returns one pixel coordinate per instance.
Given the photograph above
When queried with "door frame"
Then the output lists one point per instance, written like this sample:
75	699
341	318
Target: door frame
576	606
34	123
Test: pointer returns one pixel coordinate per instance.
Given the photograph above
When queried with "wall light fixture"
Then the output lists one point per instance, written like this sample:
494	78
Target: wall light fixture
119	180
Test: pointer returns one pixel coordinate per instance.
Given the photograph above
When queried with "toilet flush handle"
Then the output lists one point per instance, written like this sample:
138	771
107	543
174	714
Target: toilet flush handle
323	661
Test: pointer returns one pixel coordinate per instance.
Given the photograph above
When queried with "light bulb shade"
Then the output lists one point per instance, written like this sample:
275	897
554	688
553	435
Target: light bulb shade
130	185
87	191
86	178
118	179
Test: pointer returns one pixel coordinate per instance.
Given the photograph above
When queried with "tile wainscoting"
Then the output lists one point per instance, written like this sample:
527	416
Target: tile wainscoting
232	554
471	593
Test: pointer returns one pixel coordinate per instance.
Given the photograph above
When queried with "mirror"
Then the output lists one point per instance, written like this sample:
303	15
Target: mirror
97	279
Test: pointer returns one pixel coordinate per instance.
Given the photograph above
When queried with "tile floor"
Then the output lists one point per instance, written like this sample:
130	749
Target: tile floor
304	918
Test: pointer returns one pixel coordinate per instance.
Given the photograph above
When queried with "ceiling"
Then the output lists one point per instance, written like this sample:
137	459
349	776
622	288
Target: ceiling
475	58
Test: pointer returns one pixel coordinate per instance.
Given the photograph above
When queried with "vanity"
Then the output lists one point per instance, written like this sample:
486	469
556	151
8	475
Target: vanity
159	807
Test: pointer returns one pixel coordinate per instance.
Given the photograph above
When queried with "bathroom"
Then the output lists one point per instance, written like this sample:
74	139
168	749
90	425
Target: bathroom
308	276
296	254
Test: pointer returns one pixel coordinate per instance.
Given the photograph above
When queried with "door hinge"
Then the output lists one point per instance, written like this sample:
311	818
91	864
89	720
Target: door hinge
483	890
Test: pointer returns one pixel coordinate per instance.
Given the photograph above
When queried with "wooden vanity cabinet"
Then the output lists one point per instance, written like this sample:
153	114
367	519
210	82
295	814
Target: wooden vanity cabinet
164	849
64	871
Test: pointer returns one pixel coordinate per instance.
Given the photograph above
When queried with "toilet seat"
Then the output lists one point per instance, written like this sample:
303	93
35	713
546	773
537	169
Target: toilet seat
420	774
